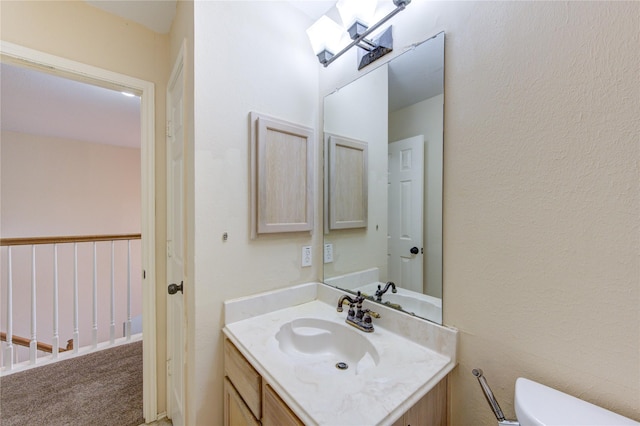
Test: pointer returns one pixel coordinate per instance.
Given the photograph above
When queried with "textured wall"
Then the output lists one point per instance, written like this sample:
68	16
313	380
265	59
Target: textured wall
542	202
57	187
541	195
249	56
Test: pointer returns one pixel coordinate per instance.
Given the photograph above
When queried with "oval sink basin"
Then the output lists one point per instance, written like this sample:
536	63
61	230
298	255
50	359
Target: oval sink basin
318	338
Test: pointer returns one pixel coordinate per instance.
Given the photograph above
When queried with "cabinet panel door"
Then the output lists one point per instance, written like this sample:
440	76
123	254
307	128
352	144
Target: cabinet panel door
399	422
276	412
431	410
236	412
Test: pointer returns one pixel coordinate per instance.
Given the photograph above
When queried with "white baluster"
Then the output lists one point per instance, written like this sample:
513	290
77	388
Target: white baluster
76	334
128	327
8	355
112	327
33	344
55	344
95	298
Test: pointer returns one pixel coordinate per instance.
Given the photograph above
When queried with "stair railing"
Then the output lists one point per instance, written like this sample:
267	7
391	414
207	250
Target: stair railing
73	344
44	347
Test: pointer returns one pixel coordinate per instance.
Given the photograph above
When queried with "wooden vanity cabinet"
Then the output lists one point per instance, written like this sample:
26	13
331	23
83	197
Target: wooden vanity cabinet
431	410
276	412
236	412
249	401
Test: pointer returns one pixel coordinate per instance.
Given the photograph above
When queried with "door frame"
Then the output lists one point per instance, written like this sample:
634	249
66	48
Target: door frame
145	89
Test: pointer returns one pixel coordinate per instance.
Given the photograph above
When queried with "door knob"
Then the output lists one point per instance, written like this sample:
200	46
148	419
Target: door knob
174	288
414	250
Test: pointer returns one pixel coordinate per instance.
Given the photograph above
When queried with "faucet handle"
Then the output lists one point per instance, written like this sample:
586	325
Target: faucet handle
371	313
367	323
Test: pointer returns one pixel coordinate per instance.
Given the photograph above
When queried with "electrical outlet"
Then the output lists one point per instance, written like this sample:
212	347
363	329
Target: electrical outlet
306	256
328	253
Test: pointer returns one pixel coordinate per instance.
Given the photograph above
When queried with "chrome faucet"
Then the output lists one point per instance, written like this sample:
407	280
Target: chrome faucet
380	292
358	317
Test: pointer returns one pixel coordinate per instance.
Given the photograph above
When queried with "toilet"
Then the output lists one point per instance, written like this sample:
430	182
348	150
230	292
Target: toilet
540	405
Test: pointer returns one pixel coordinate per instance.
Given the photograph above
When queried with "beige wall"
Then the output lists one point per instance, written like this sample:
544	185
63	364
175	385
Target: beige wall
57	187
61	187
77	31
541	195
249	56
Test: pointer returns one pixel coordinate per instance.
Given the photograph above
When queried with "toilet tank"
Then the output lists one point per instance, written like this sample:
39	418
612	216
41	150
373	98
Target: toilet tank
539	405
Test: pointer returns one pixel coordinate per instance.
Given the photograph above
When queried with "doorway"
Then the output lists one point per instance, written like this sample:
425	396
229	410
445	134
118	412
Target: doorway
145	90
405	207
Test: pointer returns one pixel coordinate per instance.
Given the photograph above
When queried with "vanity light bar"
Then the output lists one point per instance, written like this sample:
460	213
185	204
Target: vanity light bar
327	59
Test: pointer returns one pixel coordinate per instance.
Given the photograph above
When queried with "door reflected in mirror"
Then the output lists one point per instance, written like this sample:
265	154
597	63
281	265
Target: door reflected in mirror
393	119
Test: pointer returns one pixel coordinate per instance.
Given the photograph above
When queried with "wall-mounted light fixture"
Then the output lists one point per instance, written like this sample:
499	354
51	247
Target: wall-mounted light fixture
327	36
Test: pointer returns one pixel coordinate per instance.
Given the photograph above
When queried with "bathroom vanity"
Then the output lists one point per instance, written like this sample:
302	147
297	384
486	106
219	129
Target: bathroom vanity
247	397
290	359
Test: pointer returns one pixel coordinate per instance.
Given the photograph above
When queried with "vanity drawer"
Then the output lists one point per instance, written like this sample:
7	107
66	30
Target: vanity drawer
244	377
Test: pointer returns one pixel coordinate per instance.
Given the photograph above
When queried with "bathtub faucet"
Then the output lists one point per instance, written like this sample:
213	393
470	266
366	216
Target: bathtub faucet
380	292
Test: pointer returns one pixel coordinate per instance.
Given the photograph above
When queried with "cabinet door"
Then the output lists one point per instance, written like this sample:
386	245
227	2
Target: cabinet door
431	410
275	411
236	412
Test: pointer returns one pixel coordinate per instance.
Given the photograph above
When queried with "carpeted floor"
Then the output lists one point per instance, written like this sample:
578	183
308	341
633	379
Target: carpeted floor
102	389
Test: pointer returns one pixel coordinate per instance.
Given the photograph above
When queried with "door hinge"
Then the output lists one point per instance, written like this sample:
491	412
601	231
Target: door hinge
169	371
169	133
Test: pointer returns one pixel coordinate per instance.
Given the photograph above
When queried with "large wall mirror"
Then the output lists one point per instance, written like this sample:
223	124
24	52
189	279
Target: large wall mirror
383	141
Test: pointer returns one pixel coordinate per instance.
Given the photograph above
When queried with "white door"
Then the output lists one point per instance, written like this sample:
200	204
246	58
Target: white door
406	194
175	246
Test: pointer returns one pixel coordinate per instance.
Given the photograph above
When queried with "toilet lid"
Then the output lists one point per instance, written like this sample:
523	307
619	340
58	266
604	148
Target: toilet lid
539	405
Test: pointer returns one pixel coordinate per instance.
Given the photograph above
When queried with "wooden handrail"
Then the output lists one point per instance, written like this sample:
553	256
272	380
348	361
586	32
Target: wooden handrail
71	239
44	347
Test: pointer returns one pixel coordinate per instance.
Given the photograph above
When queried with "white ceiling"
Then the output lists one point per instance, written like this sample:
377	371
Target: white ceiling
42	104
417	74
314	9
156	15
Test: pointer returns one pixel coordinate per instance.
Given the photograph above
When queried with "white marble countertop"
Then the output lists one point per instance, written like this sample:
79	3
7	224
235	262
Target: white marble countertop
410	364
